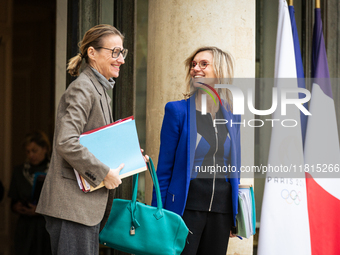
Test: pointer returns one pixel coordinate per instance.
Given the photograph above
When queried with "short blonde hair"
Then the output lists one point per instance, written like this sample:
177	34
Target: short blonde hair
223	64
93	37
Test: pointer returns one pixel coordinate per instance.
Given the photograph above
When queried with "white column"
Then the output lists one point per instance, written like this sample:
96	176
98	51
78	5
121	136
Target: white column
61	45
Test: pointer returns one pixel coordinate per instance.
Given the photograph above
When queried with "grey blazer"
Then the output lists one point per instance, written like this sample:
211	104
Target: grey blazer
84	106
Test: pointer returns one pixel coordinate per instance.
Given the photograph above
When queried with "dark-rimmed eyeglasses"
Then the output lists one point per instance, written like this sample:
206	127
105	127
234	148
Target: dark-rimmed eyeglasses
202	64
116	51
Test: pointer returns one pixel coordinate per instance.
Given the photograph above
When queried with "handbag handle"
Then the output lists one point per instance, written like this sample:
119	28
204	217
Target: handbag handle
159	213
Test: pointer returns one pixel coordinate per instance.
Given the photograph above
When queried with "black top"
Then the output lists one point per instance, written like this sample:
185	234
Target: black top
210	190
22	181
30	236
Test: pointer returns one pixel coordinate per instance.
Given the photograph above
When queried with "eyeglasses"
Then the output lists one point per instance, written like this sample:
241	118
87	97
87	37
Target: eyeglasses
116	51
202	64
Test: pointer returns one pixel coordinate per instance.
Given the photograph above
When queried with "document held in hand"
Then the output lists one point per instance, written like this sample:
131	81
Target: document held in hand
114	144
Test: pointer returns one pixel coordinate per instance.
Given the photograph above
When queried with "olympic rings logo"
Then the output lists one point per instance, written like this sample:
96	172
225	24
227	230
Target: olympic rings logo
291	197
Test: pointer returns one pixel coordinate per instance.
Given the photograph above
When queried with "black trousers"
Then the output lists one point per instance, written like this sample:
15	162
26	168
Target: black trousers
210	232
71	238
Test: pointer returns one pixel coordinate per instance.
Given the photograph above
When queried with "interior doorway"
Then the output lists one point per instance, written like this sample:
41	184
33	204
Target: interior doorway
32	83
33	65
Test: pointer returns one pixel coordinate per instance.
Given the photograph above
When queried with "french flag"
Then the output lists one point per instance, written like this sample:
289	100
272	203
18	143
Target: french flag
311	226
284	228
300	75
322	150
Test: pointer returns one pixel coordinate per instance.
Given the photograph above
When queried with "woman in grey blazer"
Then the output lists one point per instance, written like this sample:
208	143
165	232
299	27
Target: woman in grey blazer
73	217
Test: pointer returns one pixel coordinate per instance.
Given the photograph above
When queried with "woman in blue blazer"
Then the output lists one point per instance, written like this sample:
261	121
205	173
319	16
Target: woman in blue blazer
199	160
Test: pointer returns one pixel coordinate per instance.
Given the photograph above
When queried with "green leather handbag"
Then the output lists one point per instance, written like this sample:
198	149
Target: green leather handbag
140	229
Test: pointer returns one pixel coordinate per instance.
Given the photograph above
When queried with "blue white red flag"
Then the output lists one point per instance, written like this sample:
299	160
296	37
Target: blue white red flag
284	225
322	151
299	69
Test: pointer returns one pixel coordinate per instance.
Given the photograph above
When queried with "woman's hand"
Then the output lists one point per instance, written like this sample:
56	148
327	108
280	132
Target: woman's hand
112	179
232	235
22	209
146	157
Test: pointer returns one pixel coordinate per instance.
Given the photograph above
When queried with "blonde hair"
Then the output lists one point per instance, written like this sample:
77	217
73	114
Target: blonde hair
93	37
223	64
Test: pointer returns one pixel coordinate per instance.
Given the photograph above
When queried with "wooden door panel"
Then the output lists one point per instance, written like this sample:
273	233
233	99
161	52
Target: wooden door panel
5	121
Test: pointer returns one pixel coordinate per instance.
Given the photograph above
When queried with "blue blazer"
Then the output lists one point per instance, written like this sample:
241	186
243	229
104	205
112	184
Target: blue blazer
178	138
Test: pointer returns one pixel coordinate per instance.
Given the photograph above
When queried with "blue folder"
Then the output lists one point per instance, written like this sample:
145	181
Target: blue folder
116	143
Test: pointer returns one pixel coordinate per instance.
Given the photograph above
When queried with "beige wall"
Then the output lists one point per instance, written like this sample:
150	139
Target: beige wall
176	28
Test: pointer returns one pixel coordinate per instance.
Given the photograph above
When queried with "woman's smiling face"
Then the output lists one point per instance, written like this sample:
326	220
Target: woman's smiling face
203	58
202	68
102	60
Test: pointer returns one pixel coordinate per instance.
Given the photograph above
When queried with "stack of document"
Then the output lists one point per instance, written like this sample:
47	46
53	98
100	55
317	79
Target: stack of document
114	144
246	217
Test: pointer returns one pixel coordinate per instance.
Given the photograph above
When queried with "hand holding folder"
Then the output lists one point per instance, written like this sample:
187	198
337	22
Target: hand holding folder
112	180
114	144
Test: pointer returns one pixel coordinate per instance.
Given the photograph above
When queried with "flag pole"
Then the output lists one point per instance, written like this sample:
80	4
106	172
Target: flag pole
290	2
317	4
